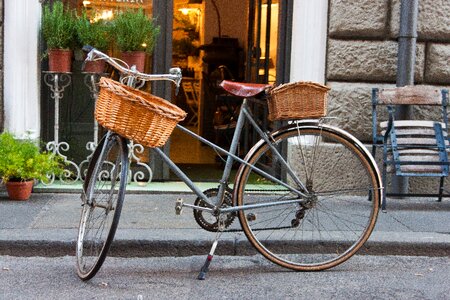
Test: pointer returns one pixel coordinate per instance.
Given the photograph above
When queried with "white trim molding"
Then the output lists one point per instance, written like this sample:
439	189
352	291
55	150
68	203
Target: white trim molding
21	67
309	40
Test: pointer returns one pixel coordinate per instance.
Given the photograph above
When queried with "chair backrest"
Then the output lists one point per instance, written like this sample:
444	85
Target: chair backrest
196	86
189	93
411	95
408	95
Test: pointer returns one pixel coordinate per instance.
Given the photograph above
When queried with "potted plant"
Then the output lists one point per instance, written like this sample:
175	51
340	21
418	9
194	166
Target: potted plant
58	29
21	163
134	34
97	35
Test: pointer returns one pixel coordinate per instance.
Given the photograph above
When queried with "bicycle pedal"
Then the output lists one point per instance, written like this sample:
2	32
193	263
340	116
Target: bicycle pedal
251	217
179	206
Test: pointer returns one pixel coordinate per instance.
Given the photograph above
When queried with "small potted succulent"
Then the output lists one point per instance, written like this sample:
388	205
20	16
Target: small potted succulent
21	163
135	35
95	34
58	30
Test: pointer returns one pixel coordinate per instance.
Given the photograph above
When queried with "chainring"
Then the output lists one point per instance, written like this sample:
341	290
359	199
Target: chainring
211	224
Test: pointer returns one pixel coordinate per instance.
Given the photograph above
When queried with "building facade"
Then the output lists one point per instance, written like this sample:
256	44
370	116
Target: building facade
22	58
351	45
362	53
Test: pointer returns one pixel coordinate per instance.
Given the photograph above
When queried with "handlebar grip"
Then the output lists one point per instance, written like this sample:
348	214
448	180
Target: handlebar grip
87	48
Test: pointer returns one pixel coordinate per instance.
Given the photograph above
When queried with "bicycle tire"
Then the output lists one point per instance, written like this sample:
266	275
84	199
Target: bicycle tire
337	218
103	195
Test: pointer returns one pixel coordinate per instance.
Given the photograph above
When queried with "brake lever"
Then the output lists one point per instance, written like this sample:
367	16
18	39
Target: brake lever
90	55
176	72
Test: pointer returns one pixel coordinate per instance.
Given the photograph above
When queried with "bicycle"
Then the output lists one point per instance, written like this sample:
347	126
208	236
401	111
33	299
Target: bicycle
298	218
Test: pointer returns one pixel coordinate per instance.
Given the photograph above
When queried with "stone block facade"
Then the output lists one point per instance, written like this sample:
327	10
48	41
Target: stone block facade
362	54
433	21
363	18
438	63
369	61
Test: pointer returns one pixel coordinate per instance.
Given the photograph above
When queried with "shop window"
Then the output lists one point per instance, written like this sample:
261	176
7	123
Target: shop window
187	22
105	9
76	108
186	40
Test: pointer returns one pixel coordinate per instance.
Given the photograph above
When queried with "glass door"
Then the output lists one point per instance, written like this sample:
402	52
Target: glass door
268	58
262	54
262	41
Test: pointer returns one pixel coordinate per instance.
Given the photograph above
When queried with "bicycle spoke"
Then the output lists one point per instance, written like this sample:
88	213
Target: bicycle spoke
333	221
103	196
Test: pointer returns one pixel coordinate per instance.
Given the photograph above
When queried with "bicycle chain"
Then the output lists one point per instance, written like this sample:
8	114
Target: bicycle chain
213	227
198	214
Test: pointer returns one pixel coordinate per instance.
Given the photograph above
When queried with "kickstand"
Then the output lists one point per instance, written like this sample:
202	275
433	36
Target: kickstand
205	268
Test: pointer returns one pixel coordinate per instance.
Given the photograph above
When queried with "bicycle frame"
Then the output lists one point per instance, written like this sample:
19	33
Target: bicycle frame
245	114
130	74
307	213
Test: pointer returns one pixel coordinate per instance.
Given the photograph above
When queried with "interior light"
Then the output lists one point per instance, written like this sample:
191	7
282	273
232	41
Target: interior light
103	15
86	2
188	10
185	11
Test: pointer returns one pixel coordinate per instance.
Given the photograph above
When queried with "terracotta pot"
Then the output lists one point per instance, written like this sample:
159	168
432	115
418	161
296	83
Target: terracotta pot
19	190
136	58
59	60
97	66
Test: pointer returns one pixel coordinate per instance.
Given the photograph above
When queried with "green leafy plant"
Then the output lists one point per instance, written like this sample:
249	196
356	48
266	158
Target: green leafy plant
134	31
97	34
21	160
185	47
187	27
187	44
58	26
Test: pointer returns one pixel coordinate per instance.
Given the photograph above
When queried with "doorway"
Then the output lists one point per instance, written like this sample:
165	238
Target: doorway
209	46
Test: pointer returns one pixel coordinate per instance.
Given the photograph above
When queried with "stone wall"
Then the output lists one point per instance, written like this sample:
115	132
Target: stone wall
362	53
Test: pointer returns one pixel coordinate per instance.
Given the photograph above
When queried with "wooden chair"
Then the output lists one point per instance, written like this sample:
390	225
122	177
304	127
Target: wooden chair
197	90
192	101
411	147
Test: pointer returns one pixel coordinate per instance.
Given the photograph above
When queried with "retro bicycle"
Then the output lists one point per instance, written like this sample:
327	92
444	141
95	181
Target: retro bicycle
306	214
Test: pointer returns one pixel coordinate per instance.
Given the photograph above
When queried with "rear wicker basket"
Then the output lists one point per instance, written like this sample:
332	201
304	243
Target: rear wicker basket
298	100
136	115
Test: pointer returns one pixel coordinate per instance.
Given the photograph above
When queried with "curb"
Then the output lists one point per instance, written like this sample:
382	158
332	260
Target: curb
179	248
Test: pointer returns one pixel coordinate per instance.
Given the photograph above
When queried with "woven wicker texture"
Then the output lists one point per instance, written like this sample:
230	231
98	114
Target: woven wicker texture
298	100
136	115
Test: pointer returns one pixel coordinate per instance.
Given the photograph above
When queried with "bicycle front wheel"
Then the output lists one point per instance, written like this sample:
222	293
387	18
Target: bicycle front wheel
337	212
103	194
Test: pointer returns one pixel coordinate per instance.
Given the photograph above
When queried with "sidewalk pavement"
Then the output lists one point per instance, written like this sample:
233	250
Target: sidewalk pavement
46	225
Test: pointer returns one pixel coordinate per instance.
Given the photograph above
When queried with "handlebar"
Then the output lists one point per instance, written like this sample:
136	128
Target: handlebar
174	73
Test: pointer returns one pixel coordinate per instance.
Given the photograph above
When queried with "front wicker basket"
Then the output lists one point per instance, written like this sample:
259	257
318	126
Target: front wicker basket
298	100
136	115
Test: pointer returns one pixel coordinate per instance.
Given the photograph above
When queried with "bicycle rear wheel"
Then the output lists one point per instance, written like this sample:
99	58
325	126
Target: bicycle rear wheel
338	213
103	194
